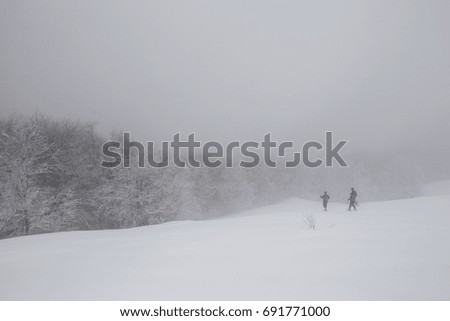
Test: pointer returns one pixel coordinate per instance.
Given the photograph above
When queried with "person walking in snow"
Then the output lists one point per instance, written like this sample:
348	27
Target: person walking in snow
352	199
325	197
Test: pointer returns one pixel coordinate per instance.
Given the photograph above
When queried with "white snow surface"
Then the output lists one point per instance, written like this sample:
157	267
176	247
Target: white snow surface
437	188
394	250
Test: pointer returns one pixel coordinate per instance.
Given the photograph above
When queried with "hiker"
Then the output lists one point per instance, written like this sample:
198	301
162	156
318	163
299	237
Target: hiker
325	197
352	199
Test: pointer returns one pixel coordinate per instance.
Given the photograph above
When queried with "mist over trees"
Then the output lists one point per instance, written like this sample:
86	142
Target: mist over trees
51	180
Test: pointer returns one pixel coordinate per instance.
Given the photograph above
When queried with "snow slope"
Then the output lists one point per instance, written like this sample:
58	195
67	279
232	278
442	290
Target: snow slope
396	250
437	188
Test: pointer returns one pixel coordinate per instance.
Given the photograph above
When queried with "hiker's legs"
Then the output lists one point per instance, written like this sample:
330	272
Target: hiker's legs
352	204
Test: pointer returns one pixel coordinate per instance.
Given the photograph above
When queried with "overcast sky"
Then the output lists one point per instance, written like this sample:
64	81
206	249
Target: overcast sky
374	72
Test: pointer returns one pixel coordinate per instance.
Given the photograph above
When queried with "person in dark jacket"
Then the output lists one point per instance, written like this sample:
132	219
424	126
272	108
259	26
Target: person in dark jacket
325	197
352	199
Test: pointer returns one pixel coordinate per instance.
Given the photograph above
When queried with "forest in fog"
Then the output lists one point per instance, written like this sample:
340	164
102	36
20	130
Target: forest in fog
51	180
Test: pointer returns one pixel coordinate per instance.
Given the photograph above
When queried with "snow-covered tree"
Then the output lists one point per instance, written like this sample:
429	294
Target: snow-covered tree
28	165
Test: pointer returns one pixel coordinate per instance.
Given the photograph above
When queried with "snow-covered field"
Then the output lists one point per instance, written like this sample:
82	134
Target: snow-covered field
438	188
395	250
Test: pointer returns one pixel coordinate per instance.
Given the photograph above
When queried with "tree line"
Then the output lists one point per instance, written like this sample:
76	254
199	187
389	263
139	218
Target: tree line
51	180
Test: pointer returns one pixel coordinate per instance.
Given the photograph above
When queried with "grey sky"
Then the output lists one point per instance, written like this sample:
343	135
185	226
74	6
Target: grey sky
375	72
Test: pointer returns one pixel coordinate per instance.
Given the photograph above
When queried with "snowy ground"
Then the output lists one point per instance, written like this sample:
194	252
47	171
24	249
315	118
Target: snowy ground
396	250
438	188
